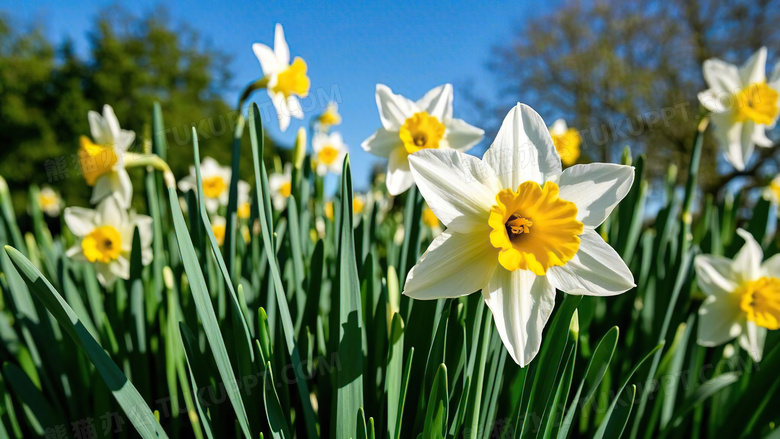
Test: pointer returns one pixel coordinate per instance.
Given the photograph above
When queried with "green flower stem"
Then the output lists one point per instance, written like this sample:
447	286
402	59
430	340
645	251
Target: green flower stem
154	161
257	85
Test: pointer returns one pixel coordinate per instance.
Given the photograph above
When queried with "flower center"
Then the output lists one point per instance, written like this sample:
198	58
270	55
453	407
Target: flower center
774	187
357	206
327	155
757	102
293	80
760	299
47	201
95	160
429	218
103	244
214	186
285	189
534	228
329	118
568	146
421	131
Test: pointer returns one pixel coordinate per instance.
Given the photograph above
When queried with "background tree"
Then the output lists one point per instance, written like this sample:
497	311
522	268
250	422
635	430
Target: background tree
627	73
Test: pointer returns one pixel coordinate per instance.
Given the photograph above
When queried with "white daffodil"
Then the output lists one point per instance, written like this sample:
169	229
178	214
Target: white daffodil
218	226
102	158
409	126
429	219
743	104
743	297
244	200
49	201
285	82
329	118
105	238
518	228
216	183
567	142
329	153
772	192
280	186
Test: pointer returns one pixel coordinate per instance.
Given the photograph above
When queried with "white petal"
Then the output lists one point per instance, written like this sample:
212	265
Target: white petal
212	204
104	275
596	189
79	220
100	131
120	267
759	136
280	103
393	109
125	140
521	303
438	102
462	136
454	265
771	267
76	252
729	135
721	76
145	229
113	184
754	69
459	188
281	50
399	175
187	183
715	100
714	275
112	213
559	127
382	143
596	270
752	340
294	107
523	149
720	320
774	77
111	122
747	262
268	61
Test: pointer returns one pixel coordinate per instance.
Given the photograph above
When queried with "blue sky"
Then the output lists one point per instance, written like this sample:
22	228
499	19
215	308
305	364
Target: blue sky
348	48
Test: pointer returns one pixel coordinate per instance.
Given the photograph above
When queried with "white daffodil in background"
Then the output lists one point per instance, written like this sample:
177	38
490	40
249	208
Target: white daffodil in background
285	82
329	118
244	200
359	204
743	297
218	225
216	183
329	153
102	158
772	192
567	142
409	126
280	186
49	201
743	104
105	238
429	219
518	228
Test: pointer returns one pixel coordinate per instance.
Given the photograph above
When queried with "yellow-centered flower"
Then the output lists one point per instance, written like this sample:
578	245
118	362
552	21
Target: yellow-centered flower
518	227
216	183
567	142
218	225
280	186
102	158
105	238
329	153
49	201
743	297
408	127
285	82
330	117
743	103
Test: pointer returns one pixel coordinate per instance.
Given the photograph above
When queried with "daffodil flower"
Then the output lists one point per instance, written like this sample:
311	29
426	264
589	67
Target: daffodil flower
105	238
280	186
772	192
244	200
329	153
743	297
329	118
218	227
517	228
216	183
743	104
49	201
409	126
102	158
567	142
429	219
285	82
